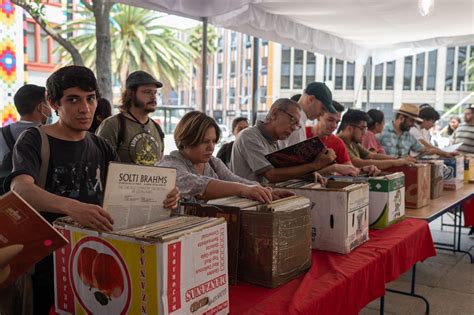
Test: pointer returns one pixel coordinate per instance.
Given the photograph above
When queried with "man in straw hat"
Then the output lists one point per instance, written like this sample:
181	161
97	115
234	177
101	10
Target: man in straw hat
396	138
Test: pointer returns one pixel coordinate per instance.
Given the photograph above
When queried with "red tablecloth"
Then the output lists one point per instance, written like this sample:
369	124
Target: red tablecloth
342	284
468	209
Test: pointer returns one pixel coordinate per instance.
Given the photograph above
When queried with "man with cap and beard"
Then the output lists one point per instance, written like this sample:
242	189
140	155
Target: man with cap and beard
136	137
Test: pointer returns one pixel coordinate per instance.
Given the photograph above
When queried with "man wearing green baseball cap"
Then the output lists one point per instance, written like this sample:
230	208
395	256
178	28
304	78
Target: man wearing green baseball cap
316	99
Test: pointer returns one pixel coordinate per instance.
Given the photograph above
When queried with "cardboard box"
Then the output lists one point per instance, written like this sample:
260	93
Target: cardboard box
275	239
454	173
387	200
110	273
468	169
339	215
274	247
386	197
417	184
437	178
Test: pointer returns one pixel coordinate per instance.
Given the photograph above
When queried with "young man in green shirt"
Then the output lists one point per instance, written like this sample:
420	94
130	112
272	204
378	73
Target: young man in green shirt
353	126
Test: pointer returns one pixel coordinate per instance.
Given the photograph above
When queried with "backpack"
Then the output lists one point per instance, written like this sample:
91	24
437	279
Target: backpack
121	130
7	163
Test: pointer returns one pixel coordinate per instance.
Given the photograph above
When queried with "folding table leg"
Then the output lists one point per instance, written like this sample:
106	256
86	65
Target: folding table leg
458	222
412	291
382	304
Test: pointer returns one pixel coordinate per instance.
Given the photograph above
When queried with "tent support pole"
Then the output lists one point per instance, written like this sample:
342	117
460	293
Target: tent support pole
255	73
204	65
368	82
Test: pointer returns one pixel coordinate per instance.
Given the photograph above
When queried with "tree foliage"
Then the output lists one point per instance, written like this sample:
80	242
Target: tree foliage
138	42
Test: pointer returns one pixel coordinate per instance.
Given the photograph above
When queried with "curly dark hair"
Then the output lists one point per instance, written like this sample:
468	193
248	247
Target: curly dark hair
70	77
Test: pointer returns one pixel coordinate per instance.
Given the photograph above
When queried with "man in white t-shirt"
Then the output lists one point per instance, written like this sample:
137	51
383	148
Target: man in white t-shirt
421	131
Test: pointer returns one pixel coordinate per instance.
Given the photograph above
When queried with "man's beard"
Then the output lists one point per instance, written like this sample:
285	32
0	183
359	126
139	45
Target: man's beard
404	126
142	105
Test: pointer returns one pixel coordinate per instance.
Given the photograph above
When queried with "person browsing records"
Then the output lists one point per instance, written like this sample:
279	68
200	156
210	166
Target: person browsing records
248	154
200	176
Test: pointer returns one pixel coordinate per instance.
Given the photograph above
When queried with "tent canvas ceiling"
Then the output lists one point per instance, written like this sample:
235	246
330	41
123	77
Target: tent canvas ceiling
347	29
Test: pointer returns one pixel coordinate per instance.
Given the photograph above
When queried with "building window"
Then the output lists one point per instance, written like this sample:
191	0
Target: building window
220	43
298	70
310	67
390	75
248	40
339	74
461	68
31	42
264	65
365	79
232	95
378	76
263	94
432	62
219	70
448	81
407	73
233	40
172	98
219	96
327	68
350	74
419	71
285	67
40	47
232	68
193	97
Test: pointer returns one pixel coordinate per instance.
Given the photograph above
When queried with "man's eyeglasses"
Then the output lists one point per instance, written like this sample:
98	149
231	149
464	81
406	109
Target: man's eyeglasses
150	93
361	128
293	121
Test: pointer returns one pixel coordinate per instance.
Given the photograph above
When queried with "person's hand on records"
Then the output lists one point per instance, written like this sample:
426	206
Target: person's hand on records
172	199
6	255
346	169
318	178
325	158
404	162
89	215
411	159
371	170
278	193
256	192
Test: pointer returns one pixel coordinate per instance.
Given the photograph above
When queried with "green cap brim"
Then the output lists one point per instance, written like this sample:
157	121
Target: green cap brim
330	108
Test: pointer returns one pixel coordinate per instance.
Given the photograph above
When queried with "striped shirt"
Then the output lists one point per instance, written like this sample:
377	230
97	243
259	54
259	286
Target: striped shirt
465	134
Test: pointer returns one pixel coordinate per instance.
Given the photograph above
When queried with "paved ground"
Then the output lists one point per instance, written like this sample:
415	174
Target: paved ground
447	281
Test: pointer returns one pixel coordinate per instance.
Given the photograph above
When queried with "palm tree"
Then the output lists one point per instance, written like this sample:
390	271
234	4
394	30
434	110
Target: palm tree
195	42
138	43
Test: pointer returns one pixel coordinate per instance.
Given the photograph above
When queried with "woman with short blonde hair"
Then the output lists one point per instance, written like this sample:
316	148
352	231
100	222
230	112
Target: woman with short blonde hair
200	176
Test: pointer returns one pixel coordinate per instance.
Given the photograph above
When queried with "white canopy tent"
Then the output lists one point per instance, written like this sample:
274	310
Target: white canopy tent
347	29
352	30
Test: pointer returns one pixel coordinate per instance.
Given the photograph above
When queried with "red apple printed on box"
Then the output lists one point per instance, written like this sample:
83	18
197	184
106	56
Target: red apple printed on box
101	281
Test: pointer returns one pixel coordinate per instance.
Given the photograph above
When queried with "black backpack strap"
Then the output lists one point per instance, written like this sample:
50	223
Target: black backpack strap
121	130
8	136
45	152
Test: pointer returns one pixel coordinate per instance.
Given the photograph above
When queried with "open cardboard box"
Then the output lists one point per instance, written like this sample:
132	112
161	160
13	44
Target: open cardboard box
339	215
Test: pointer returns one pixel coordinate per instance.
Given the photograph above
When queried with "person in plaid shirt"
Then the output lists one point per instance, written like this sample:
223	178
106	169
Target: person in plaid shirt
396	138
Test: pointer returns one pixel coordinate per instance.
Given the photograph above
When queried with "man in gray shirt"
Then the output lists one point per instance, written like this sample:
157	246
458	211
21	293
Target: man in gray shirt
31	104
248	154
